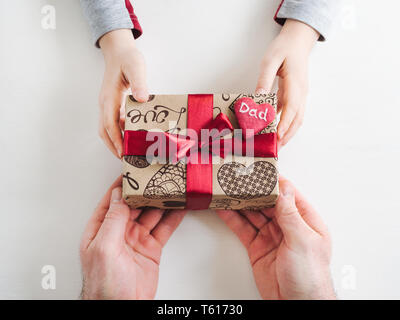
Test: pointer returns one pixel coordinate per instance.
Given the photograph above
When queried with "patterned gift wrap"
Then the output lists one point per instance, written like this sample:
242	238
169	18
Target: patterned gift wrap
238	182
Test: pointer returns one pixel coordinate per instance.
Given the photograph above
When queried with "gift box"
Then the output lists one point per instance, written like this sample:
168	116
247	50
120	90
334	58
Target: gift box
230	164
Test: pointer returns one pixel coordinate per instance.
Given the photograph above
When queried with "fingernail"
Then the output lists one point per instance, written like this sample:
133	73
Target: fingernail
281	133
116	195
287	191
141	95
119	152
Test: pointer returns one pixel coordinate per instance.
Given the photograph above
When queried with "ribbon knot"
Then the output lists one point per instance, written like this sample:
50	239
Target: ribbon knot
186	146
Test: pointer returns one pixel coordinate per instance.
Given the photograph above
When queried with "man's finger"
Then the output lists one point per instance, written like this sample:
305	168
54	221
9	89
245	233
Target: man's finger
112	230
256	218
167	225
239	225
97	217
295	230
150	217
307	211
269	212
309	214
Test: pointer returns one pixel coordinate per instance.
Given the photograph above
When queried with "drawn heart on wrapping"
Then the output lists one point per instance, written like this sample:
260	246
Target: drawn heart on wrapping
241	182
137	161
251	115
168	182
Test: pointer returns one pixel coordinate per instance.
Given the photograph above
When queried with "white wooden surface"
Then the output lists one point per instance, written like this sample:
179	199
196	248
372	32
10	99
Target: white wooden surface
54	168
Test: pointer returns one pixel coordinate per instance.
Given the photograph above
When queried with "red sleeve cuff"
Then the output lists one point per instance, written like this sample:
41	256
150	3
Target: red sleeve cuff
280	21
137	29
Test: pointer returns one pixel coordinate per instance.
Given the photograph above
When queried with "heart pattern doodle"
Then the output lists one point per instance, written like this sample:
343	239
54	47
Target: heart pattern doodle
167	183
236	185
251	115
137	161
241	182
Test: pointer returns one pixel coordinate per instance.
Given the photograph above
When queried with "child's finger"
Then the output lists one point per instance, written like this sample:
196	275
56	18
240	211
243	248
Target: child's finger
122	114
295	125
122	124
279	96
289	111
106	139
136	76
267	76
111	124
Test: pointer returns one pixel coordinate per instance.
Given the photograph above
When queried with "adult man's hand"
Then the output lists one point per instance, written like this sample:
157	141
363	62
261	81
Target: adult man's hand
289	247
121	248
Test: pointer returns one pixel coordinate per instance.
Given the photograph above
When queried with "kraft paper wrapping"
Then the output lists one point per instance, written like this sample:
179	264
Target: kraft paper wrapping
164	185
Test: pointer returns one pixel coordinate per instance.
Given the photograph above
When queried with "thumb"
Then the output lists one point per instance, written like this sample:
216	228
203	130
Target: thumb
267	76
294	228
136	76
114	225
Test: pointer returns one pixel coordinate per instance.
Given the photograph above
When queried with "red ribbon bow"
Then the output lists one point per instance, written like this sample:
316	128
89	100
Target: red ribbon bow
199	166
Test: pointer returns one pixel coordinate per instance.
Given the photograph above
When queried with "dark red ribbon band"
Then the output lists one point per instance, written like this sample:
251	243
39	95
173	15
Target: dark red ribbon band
136	144
199	173
199	176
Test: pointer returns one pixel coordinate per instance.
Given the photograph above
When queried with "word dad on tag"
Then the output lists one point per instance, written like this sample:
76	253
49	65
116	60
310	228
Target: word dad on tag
244	108
253	117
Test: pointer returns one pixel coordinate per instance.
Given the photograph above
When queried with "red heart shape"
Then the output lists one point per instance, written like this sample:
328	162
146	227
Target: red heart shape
251	115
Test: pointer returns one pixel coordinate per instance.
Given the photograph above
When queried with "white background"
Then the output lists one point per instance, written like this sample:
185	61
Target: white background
54	168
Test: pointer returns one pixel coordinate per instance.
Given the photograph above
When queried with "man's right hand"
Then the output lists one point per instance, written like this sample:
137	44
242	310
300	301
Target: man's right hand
121	248
289	247
125	68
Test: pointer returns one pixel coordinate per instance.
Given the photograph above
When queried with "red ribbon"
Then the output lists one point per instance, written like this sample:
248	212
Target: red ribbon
199	176
136	144
199	173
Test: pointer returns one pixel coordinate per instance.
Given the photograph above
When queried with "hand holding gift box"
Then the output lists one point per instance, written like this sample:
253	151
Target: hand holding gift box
121	247
209	164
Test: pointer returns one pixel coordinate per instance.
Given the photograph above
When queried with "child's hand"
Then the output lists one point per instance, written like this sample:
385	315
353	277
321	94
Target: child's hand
287	57
125	68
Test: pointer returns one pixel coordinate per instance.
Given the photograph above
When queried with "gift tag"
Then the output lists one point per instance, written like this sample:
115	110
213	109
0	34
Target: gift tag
251	115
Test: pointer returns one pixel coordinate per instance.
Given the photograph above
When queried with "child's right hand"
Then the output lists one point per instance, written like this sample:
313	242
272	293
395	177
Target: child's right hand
124	69
287	57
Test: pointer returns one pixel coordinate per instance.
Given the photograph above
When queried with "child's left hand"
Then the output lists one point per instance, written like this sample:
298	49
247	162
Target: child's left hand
287	58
